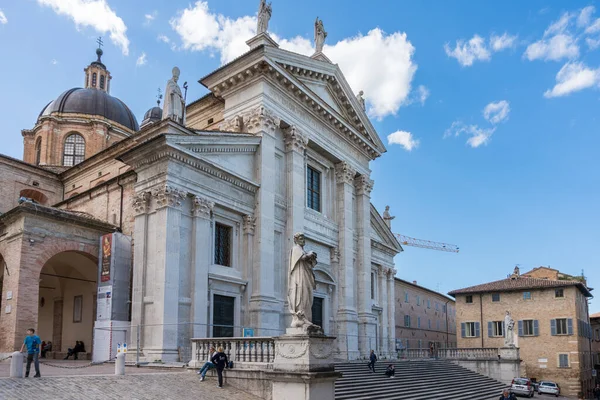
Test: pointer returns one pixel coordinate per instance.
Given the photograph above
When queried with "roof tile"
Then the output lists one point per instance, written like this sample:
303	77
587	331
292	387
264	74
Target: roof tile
520	283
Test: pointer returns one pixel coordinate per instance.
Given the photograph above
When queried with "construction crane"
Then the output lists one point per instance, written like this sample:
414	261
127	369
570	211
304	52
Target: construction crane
426	244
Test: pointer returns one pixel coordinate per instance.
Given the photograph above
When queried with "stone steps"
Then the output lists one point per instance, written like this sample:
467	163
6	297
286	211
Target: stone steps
414	380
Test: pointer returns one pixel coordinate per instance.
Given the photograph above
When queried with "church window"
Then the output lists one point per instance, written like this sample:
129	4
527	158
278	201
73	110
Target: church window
94	79
74	151
38	150
101	81
223	245
313	188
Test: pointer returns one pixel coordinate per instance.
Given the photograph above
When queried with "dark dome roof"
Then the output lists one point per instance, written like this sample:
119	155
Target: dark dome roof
152	115
93	102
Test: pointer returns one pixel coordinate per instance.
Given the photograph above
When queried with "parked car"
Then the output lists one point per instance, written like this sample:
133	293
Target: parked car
549	387
522	386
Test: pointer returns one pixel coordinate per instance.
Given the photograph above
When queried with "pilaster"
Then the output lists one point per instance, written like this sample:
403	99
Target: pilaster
391	311
140	205
347	321
384	300
367	321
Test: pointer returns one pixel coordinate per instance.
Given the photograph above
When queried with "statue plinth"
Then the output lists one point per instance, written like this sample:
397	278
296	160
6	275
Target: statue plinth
303	367
509	353
261	39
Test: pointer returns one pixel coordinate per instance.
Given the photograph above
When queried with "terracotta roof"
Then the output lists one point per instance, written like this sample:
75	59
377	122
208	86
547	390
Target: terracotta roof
597	315
520	283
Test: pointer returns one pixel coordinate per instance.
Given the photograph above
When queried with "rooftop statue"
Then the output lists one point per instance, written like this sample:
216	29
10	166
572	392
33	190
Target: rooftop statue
174	105
320	35
264	15
387	218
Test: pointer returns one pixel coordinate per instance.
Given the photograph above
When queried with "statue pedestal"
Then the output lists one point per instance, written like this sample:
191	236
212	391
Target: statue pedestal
303	368
509	353
261	39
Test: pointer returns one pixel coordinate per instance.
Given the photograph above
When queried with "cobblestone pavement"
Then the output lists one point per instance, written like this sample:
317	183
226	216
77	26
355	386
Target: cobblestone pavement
146	386
80	367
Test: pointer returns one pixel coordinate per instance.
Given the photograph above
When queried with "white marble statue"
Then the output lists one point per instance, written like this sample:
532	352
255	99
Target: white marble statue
361	99
264	15
320	35
301	283
509	331
387	218
174	105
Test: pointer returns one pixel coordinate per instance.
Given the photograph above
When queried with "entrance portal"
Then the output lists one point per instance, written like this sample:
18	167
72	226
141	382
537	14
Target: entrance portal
66	301
223	316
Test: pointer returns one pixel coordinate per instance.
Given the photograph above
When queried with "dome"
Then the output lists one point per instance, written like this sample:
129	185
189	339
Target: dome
152	115
92	102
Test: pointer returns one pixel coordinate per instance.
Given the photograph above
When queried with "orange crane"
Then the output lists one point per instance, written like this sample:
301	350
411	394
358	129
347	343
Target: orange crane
426	244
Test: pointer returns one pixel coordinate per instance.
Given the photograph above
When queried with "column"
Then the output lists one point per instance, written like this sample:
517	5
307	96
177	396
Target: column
141	202
264	308
391	311
384	300
165	293
347	318
201	260
367	321
249	227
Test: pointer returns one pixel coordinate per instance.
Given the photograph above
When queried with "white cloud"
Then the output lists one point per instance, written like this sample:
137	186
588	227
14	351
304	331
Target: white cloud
559	26
506	41
150	17
163	39
594	27
556	48
585	16
141	60
479	136
468	52
404	139
93	13
573	77
3	19
380	64
496	112
422	94
53	61
592	43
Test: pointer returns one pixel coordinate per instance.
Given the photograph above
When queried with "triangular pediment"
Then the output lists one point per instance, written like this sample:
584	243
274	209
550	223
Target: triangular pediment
322	90
381	233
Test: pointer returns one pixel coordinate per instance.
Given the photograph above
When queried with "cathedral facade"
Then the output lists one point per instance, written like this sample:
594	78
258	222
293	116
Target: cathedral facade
206	204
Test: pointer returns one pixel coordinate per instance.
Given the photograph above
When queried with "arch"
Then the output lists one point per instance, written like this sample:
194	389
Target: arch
100	182
102	81
38	150
73	149
324	276
73	195
34	195
94	79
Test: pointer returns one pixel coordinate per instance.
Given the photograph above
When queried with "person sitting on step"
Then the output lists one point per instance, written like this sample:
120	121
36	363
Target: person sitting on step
390	371
79	348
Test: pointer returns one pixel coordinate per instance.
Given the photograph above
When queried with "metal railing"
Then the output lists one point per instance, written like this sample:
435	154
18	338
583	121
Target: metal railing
238	349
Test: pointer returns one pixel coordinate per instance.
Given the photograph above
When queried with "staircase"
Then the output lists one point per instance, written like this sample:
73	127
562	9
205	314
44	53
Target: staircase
414	380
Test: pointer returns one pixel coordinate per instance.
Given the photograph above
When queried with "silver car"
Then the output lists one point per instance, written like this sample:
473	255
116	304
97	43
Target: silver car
522	386
549	388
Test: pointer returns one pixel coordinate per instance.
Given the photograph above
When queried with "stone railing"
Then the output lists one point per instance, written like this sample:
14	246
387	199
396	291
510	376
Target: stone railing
414	353
468	354
238	349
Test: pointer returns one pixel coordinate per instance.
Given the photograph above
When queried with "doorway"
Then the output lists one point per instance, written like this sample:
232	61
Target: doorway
223	316
317	311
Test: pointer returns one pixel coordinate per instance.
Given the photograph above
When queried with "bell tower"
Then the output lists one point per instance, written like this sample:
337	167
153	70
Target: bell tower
96	74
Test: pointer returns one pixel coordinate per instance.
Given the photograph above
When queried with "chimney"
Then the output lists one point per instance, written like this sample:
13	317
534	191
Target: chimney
414	282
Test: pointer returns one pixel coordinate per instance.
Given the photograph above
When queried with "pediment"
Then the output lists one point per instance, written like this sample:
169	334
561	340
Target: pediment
326	94
381	233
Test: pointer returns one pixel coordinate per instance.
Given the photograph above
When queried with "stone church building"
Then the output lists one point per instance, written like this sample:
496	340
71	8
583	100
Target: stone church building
167	231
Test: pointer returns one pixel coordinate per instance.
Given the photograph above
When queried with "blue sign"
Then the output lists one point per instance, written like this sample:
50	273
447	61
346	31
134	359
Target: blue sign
248	332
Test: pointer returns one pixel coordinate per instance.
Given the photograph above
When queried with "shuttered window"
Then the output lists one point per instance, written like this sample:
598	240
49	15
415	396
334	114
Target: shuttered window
529	327
495	328
563	361
470	329
561	326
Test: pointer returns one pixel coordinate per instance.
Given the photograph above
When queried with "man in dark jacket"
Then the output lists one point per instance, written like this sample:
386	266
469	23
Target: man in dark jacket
372	359
507	396
220	362
597	392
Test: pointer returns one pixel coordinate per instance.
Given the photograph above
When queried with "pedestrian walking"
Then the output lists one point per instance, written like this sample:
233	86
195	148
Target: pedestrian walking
597	392
207	365
33	343
220	361
372	360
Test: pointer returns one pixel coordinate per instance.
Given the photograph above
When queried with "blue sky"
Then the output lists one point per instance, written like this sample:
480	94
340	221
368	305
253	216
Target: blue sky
517	184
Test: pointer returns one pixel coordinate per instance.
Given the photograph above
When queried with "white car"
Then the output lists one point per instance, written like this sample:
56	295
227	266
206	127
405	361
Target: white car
549	388
522	387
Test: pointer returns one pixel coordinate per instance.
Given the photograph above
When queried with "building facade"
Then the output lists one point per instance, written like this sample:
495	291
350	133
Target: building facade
552	327
423	317
595	323
279	145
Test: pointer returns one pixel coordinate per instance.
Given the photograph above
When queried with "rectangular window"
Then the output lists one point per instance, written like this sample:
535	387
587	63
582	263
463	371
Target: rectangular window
428	303
419	322
526	295
77	308
313	189
372	286
527	327
429	323
437	323
222	245
470	329
559	293
495	328
469	299
407	321
495	297
597	335
437	306
418	300
317	311
563	361
561	326
406	297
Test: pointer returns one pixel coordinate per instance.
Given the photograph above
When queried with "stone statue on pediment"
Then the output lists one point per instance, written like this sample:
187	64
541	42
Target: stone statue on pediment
320	35
174	104
264	15
301	285
361	99
387	218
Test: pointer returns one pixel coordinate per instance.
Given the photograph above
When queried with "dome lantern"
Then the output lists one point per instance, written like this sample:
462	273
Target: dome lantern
96	74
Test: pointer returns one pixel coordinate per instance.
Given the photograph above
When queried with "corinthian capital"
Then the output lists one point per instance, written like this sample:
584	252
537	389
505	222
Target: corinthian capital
202	207
364	185
141	202
344	173
233	124
295	139
260	119
168	196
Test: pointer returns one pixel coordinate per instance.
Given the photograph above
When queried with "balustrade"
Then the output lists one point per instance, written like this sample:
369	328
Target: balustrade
247	349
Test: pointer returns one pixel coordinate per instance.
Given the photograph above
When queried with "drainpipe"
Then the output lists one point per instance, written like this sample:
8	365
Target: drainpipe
481	317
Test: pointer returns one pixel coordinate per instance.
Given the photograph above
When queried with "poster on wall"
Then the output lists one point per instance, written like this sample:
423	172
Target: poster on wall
104	311
106	258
